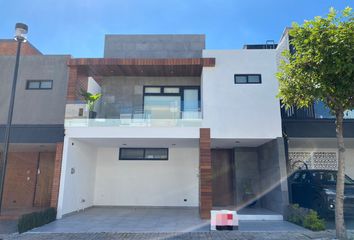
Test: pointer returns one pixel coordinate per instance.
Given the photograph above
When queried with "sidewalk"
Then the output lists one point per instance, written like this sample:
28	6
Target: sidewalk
224	235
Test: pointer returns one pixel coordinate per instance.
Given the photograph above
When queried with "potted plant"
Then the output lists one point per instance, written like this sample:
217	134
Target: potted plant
90	100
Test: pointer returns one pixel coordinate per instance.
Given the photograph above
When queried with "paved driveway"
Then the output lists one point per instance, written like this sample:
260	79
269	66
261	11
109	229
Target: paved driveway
224	235
349	222
148	220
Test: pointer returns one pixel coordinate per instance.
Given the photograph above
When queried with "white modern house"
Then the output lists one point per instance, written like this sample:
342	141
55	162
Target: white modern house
177	125
182	126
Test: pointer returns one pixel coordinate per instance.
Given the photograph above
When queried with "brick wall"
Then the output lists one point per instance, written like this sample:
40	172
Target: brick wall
77	80
8	48
56	176
205	174
20	180
24	188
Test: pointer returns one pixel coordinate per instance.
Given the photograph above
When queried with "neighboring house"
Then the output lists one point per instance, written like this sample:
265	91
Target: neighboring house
37	130
177	125
311	133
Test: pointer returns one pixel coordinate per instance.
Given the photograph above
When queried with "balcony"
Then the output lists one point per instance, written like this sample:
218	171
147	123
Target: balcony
314	122
153	113
317	111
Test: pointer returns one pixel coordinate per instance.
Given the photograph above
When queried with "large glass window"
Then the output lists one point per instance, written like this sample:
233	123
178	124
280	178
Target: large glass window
143	154
172	102
191	103
321	110
162	107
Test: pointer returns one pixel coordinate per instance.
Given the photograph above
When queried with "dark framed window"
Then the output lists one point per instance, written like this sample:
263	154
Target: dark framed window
39	84
143	154
171	102
248	78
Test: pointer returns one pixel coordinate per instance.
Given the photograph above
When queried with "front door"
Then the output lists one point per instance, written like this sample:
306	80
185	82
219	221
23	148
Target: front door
223	177
44	181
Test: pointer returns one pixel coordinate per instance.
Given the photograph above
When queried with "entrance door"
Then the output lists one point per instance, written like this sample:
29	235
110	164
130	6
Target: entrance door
44	182
223	177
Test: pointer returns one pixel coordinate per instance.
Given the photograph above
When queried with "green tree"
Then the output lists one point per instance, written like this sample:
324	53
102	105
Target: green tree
321	69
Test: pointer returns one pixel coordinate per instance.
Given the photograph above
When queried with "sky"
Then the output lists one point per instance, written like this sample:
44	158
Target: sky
77	27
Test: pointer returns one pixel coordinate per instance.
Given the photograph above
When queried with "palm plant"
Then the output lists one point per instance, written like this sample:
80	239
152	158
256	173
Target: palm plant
90	100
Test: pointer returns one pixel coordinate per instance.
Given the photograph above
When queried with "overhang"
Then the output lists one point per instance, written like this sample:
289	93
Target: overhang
168	67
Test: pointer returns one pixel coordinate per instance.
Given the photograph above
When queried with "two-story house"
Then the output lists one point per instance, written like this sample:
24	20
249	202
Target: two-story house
311	133
177	125
37	130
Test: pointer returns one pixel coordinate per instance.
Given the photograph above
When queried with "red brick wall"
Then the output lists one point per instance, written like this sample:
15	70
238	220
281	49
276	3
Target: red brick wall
8	48
56	177
77	81
23	186
205	174
20	180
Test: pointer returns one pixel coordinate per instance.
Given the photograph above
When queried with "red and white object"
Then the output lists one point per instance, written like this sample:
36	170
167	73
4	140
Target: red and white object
223	220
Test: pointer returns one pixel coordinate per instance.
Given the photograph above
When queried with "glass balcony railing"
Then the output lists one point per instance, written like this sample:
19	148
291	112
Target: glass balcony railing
101	122
161	115
317	111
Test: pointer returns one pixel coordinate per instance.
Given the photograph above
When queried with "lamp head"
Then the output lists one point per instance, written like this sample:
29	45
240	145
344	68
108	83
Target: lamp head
21	30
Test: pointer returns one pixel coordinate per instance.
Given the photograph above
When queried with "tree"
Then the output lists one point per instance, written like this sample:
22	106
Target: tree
321	68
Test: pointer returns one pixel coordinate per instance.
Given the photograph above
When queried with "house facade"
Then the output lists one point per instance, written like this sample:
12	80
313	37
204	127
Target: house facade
37	130
177	125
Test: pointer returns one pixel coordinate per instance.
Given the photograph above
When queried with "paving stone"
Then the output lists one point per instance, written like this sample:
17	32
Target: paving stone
223	235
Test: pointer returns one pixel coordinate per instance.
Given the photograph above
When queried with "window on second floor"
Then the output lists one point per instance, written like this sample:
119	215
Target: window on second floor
248	78
39	84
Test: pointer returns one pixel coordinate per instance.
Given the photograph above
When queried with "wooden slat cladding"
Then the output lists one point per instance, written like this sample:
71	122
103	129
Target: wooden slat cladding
81	68
142	67
205	174
56	175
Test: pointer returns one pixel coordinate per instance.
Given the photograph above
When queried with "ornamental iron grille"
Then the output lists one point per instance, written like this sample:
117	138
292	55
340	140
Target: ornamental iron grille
313	160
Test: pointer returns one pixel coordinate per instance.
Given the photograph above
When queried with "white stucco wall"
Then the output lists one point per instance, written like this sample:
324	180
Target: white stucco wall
77	189
147	183
241	110
349	156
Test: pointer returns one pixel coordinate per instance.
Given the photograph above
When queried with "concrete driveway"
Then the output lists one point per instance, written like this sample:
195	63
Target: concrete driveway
148	220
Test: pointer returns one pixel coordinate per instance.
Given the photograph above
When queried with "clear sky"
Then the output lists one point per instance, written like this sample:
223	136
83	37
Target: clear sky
77	27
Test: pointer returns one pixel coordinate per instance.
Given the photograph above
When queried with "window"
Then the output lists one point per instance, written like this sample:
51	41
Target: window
39	84
143	154
152	90
248	78
172	102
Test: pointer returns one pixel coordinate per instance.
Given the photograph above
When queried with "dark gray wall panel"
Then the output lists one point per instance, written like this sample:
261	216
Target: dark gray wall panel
154	46
34	133
316	128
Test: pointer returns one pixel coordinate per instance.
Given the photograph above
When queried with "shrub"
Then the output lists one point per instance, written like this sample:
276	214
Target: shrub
313	222
36	219
305	217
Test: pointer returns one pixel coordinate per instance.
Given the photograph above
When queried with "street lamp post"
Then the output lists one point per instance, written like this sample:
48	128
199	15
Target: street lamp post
21	30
